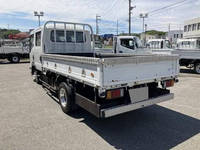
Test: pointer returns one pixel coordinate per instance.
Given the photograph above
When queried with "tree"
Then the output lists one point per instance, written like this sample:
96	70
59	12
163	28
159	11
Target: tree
4	33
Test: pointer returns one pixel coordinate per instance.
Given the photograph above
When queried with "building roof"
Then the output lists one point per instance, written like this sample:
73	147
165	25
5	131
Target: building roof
192	21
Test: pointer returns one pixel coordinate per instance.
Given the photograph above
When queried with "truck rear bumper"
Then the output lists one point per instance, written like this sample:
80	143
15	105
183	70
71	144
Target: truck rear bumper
94	108
109	112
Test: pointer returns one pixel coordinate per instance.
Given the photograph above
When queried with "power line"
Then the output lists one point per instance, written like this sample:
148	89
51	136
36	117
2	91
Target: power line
168	6
160	13
110	8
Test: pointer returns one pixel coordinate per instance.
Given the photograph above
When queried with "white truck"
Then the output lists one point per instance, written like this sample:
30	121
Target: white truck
105	85
14	50
160	46
187	49
189	52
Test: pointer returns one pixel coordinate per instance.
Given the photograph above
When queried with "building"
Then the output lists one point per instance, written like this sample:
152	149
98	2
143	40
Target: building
146	37
173	35
192	28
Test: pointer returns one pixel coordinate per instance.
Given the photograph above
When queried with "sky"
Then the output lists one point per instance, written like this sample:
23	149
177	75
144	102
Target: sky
18	14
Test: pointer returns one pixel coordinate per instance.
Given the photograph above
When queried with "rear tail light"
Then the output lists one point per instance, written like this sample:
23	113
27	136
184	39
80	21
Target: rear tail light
168	83
113	94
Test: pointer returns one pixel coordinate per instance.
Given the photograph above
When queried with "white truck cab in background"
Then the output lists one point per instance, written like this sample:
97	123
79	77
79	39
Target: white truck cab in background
190	44
159	44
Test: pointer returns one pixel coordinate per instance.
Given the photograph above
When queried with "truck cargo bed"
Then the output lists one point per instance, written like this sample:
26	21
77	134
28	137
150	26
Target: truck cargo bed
113	70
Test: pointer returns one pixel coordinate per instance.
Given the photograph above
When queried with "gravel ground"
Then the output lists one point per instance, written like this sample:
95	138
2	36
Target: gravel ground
30	119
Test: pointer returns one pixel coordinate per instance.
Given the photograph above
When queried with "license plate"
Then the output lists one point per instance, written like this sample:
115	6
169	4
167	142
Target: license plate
139	94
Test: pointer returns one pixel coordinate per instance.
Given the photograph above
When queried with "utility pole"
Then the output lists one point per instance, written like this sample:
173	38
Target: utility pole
97	24
38	14
117	27
145	29
129	20
169	27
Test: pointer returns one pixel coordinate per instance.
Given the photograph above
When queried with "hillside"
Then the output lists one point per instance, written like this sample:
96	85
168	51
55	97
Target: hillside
5	32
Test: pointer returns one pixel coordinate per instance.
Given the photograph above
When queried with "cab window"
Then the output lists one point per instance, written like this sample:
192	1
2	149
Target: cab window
60	36
128	43
38	39
31	41
79	37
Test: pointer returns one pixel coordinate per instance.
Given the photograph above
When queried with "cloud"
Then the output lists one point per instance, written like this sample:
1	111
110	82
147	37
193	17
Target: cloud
109	10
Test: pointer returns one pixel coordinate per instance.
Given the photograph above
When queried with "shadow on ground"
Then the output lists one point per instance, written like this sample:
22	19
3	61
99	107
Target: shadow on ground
155	127
5	62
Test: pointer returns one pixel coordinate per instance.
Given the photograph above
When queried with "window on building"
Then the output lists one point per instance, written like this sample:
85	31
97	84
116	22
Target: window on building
198	26
189	28
174	35
194	27
38	39
181	35
185	28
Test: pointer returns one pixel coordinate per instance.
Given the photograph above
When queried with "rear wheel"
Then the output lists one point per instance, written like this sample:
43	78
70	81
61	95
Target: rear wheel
14	59
65	96
197	68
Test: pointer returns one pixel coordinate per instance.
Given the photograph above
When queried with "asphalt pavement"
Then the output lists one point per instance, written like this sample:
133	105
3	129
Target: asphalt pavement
30	119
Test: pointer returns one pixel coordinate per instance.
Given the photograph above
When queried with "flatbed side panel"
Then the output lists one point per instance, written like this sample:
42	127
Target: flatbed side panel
78	59
87	73
137	72
136	59
187	54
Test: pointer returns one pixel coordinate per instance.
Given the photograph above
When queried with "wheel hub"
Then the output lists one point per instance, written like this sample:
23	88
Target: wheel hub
197	68
63	97
15	59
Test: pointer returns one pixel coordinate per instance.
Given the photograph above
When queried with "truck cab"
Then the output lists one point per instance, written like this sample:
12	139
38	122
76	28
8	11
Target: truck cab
59	39
128	44
159	44
188	44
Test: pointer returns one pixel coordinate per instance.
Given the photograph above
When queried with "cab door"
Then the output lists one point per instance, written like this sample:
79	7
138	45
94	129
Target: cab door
36	50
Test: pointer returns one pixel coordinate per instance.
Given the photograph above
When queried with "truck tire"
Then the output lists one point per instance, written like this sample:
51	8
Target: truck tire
197	68
36	77
65	96
15	59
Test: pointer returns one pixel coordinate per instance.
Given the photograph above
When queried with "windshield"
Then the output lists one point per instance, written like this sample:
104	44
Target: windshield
168	45
198	44
129	43
154	44
186	44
